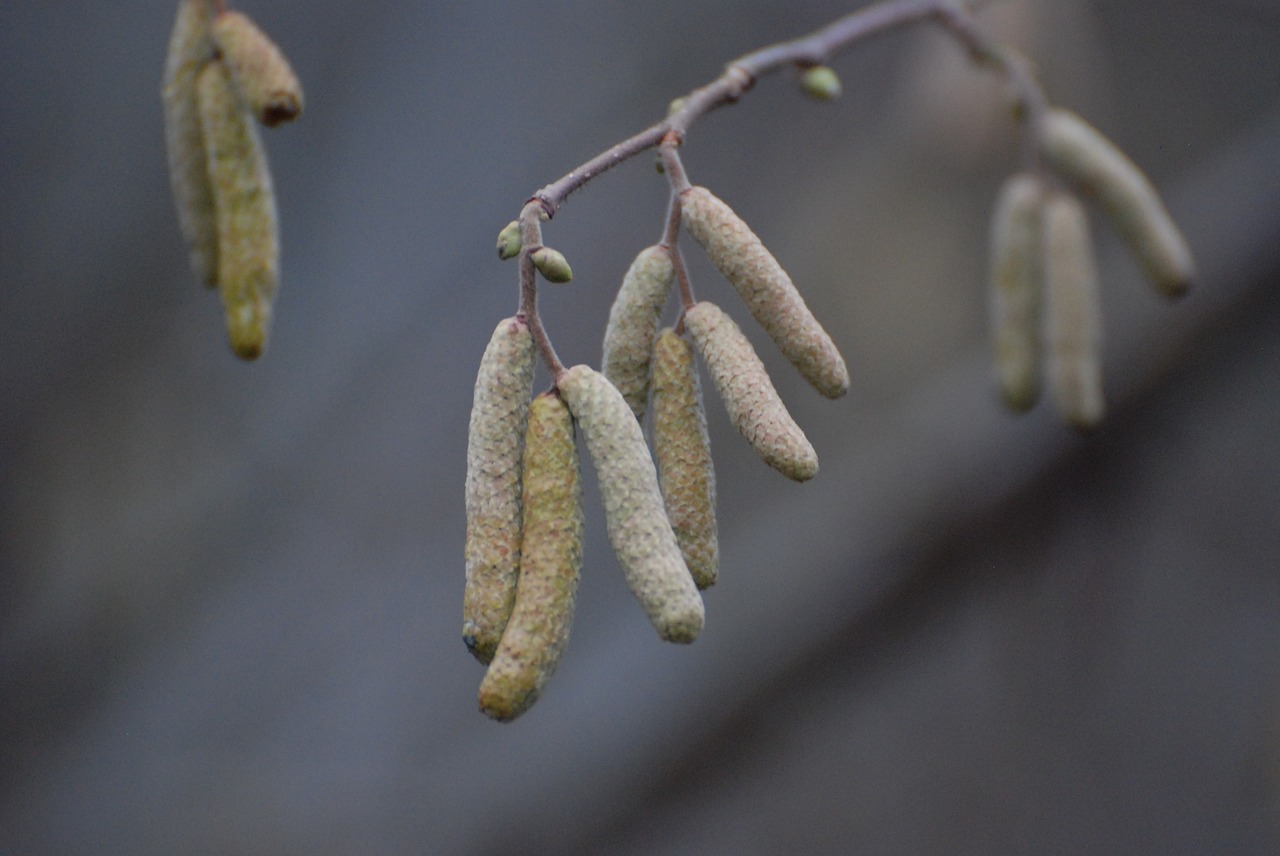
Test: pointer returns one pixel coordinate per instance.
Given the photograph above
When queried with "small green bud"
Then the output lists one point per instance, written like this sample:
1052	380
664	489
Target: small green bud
676	105
820	82
552	264
509	241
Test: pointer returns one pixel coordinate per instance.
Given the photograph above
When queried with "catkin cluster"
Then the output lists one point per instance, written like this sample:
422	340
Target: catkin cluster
222	76
1044	281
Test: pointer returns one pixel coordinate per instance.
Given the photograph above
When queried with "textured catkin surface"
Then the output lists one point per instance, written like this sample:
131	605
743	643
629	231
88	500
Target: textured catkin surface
262	76
1073	316
633	323
550	561
1016	285
495	448
1097	168
748	395
683	451
766	289
636	519
190	48
248	239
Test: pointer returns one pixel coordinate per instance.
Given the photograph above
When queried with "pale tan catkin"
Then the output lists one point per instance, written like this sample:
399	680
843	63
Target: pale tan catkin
1073	318
1015	290
637	522
262	76
1096	167
248	239
766	289
683	451
495	450
550	561
633	322
748	395
190	49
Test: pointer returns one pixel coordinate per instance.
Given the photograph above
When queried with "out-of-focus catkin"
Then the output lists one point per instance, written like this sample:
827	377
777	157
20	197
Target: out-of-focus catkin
683	452
550	561
766	289
190	49
495	449
259	71
633	323
1073	322
1096	167
748	395
1016	276
637	522
245	207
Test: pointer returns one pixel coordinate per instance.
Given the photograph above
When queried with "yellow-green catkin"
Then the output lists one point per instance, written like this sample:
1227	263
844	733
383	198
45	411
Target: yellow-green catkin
495	451
748	395
550	562
766	289
190	49
683	451
260	73
1096	167
637	522
1016	278
1073	318
245	205
633	323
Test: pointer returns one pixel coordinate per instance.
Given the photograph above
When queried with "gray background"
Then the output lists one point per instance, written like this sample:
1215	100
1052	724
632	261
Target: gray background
230	594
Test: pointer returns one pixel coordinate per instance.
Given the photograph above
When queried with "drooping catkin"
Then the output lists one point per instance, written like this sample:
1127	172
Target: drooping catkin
550	561
495	449
245	205
633	322
1096	167
637	522
1015	289
766	289
260	73
748	395
1073	322
683	452
190	49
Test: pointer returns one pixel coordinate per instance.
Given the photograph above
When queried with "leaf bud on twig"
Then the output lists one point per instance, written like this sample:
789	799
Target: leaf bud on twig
261	74
638	527
552	264
1015	289
1073	322
820	82
766	289
633	323
748	395
550	561
509	241
495	449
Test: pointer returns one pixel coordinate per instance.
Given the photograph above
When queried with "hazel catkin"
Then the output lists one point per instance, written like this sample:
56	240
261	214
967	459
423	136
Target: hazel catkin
683	452
1073	318
766	289
1015	289
633	323
259	71
495	450
1096	167
748	395
550	561
637	522
245	208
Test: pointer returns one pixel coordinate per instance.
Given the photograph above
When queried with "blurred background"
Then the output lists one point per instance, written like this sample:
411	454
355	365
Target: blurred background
230	593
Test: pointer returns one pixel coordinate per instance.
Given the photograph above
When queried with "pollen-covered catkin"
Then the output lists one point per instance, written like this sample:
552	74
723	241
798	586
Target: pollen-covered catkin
683	452
637	522
633	322
190	49
495	449
550	561
766	289
748	395
1073	322
248	240
259	71
1096	167
1016	276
